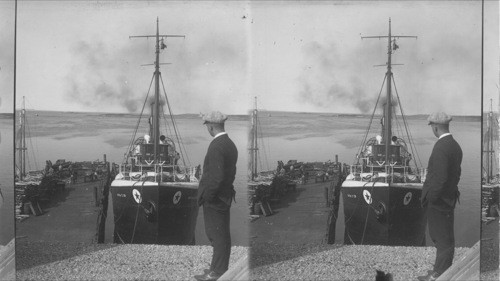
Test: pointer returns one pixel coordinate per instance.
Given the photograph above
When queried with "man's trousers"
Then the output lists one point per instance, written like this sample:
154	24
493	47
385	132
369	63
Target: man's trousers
440	224
217	229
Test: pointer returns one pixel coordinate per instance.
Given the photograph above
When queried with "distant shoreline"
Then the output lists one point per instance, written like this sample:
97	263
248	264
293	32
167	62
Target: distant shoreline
271	112
6	115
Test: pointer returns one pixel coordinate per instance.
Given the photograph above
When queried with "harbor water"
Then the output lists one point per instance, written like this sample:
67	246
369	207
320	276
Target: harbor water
87	136
304	137
310	137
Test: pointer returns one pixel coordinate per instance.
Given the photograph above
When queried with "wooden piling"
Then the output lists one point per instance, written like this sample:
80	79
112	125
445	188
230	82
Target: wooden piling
103	202
333	203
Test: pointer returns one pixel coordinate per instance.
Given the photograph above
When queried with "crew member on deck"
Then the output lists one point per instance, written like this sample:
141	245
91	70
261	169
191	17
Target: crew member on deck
216	192
440	193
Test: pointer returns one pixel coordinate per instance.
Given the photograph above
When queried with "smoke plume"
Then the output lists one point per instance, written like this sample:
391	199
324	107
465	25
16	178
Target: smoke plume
331	80
99	77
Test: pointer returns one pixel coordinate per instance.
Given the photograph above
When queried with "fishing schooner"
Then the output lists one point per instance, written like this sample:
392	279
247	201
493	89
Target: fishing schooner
259	183
33	186
490	175
154	193
382	192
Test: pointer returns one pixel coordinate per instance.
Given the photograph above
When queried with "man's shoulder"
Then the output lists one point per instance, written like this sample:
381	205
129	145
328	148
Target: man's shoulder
448	143
221	141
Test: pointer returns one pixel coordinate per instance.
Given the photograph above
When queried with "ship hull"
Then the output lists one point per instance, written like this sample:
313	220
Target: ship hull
383	214
152	213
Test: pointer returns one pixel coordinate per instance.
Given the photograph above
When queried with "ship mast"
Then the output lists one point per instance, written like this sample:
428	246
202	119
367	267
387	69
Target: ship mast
22	142
254	148
387	119
156	110
490	143
156	107
387	124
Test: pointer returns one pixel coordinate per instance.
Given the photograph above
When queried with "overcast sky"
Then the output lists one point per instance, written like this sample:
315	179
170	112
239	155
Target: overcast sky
6	56
310	57
77	56
294	56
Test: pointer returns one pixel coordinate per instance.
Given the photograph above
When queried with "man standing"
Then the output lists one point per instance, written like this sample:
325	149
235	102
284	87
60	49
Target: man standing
216	192
440	193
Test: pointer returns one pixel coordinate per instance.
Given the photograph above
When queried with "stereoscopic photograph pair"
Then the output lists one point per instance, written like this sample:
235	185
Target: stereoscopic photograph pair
257	140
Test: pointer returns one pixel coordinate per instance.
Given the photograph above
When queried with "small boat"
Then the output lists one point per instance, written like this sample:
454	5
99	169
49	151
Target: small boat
381	194
155	193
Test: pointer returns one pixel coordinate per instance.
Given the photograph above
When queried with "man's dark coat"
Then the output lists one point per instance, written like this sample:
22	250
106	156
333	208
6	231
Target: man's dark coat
441	184
219	169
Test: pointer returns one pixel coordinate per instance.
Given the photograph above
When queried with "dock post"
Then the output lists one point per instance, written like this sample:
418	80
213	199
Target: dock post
96	198
103	213
326	196
334	202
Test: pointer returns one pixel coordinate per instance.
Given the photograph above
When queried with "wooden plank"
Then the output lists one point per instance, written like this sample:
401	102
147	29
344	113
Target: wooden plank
7	261
239	271
465	268
266	208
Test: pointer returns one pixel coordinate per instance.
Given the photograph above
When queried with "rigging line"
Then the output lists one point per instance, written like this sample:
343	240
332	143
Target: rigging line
413	147
267	150
167	125
26	126
132	140
182	148
177	135
366	218
168	130
35	125
137	213
180	143
264	137
264	148
371	119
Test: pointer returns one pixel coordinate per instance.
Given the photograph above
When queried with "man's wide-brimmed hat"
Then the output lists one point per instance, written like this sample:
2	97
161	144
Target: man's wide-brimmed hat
439	118
215	117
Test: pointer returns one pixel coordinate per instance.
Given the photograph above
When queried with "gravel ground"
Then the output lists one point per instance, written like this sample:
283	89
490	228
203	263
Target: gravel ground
63	261
338	262
490	251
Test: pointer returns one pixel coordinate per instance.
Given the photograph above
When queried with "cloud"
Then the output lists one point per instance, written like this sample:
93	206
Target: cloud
203	72
98	77
325	81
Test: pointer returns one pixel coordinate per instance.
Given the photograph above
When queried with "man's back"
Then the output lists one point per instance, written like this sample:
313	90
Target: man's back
219	169
441	185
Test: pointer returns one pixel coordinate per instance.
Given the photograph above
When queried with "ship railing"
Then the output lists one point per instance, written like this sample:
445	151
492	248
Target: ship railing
391	173
158	173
